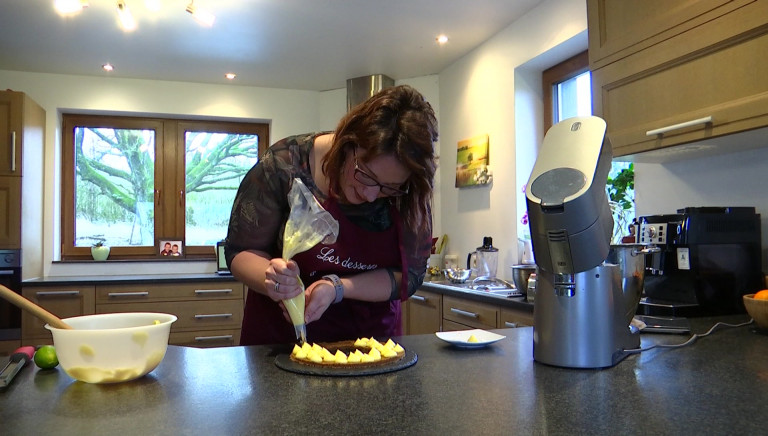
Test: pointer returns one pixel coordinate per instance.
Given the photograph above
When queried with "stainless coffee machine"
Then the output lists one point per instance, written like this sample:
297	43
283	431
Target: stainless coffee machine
582	310
709	257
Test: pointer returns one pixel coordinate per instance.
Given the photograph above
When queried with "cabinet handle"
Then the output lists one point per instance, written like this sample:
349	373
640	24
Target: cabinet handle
128	294
213	315
56	293
510	324
7	272
464	312
13	151
419	298
663	130
213	291
213	338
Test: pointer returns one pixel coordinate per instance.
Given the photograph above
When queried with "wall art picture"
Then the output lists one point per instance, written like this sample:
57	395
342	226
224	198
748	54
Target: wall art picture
472	162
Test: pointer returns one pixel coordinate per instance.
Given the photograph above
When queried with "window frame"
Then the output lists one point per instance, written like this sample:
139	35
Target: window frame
169	172
557	74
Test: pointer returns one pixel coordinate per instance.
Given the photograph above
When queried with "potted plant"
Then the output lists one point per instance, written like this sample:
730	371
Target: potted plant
99	251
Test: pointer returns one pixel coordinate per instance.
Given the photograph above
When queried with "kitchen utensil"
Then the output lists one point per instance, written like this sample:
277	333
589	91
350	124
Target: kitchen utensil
484	260
16	362
757	309
112	347
32	308
520	274
457	275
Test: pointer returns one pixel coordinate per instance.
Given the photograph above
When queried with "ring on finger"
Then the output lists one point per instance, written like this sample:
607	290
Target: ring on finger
277	286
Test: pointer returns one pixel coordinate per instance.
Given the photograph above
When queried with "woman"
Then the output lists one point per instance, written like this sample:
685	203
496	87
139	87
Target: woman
374	174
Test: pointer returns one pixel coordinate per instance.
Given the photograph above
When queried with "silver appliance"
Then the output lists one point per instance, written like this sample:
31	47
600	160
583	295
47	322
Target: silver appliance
580	314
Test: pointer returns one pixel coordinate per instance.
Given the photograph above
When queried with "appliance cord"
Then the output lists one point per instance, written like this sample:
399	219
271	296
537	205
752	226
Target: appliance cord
690	340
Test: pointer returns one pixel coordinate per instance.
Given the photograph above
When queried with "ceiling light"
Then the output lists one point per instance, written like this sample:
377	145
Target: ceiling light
126	19
442	39
230	76
65	7
107	67
201	15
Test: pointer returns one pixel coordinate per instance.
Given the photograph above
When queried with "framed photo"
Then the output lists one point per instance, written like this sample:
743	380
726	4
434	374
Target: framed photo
472	162
168	248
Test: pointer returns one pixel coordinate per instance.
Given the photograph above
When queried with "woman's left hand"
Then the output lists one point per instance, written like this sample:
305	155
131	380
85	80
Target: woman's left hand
320	296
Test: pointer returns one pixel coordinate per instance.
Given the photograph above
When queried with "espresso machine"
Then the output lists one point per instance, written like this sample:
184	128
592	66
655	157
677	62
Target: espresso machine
580	315
710	257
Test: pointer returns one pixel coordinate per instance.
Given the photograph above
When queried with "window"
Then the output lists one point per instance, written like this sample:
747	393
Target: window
568	93
128	181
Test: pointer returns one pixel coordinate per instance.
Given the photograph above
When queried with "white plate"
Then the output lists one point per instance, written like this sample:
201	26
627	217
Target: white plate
460	338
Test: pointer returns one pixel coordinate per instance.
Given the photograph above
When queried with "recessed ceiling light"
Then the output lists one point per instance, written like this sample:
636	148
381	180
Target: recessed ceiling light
107	67
230	76
441	39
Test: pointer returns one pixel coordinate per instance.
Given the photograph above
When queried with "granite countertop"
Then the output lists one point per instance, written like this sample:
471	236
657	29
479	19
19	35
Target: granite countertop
718	385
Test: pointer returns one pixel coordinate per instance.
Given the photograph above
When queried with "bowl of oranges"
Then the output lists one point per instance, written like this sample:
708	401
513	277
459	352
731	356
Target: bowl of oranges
757	307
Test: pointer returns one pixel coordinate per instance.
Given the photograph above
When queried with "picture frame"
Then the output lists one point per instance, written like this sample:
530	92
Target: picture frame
472	162
170	248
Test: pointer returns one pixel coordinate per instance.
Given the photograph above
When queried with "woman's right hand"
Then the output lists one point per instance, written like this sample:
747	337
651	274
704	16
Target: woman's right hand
282	279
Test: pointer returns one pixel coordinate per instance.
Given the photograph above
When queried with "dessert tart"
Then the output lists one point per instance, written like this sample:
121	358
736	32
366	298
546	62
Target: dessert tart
361	353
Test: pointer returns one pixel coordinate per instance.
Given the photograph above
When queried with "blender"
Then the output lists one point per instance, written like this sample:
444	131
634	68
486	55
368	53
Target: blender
483	263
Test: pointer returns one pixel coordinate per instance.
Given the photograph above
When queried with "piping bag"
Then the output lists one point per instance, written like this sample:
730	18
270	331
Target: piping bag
308	224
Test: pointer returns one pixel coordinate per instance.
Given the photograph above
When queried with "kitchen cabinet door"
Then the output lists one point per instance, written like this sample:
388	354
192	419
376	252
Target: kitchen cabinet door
10	212
62	301
510	318
423	313
470	313
619	28
21	121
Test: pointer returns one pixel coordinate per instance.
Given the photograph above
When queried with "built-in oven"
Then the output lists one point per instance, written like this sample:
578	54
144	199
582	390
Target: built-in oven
10	277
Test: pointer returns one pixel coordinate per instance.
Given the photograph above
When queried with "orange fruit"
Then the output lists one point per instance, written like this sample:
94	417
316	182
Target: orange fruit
761	295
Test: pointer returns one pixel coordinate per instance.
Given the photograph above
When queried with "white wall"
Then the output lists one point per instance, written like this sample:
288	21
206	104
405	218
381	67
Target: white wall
288	112
477	96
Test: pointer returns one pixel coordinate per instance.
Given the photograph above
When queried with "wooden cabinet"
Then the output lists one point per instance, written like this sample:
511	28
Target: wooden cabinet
209	314
22	123
510	318
679	72
460	314
423	313
62	301
10	212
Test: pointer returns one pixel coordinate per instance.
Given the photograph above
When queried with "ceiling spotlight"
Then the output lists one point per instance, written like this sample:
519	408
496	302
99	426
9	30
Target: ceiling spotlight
230	76
441	39
201	15
124	14
65	7
107	67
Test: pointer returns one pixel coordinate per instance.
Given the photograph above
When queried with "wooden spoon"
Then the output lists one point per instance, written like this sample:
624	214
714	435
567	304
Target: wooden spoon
33	308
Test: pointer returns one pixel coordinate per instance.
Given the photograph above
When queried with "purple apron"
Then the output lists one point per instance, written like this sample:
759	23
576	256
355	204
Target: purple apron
355	251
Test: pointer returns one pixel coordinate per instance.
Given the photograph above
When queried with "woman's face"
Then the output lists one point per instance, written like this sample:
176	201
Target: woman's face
363	181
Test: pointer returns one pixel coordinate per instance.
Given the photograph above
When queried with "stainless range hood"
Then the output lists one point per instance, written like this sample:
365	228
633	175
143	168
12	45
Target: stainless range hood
360	88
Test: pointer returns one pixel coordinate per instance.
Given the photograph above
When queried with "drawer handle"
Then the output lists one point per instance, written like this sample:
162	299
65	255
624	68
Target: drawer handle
128	294
464	312
419	298
213	315
7	272
510	324
213	291
663	130
213	338
56	293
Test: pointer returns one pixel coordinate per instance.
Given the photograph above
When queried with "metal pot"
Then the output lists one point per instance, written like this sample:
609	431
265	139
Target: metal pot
631	261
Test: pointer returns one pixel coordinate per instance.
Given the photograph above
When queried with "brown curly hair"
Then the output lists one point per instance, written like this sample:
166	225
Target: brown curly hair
399	121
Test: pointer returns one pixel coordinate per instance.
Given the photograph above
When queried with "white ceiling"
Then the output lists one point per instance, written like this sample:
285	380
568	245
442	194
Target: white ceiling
294	44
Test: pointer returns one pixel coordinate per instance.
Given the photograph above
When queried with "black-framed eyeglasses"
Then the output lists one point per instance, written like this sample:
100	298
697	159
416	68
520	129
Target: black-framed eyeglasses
368	180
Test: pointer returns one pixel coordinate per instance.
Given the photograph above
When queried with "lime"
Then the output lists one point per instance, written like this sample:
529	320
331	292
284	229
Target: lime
45	357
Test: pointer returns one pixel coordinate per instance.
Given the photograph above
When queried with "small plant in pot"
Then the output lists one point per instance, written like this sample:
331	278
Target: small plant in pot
99	251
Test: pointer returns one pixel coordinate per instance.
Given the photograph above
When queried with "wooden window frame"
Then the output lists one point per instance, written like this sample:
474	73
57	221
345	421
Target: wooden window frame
169	178
557	74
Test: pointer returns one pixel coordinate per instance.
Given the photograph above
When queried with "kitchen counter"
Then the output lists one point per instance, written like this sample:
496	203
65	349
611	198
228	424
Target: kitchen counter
447	288
127	279
718	385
